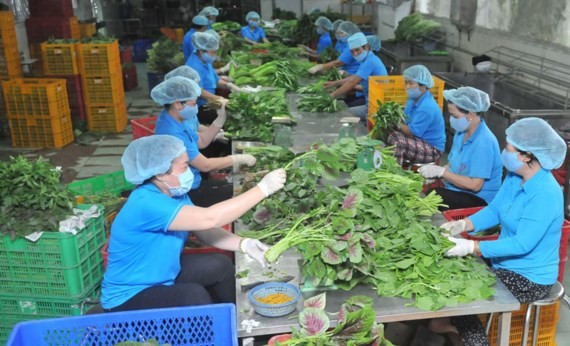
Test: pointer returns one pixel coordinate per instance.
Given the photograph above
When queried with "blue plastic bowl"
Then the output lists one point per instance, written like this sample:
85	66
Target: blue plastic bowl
274	310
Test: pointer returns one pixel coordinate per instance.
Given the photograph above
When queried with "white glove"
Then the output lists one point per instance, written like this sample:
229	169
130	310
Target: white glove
220	137
254	249
227	79
226	68
273	182
462	248
222	116
431	171
248	89
455	228
316	68
234	87
243	159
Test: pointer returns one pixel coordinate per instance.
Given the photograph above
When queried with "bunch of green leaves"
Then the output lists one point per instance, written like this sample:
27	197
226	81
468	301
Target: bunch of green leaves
312	88
164	56
332	75
329	54
227	25
413	27
283	14
98	39
318	103
110	201
270	157
230	42
389	117
52	40
33	199
286	28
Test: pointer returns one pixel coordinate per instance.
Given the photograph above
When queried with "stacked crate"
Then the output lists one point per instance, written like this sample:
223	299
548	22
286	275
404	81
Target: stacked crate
10	66
86	30
129	69
60	61
102	80
38	112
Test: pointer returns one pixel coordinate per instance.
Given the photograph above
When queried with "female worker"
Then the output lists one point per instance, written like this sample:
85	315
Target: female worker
205	48
370	65
323	26
211	13
252	33
199	24
340	44
178	96
145	269
422	138
374	42
345	61
529	208
473	175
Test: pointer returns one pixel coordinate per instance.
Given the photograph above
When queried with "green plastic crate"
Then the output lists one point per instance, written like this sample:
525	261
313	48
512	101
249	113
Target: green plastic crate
57	265
113	183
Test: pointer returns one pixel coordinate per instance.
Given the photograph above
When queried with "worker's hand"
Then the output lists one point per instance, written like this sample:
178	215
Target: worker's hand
431	171
302	46
273	182
454	228
233	87
316	68
329	84
226	68
227	79
344	73
220	137
243	159
222	116
254	249
304	52
462	248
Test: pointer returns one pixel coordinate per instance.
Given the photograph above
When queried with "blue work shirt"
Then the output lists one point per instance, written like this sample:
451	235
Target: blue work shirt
208	76
187	46
142	251
324	42
340	46
256	35
167	125
350	64
371	66
478	157
531	214
425	120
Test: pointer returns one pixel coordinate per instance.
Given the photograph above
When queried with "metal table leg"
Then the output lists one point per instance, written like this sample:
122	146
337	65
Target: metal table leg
504	328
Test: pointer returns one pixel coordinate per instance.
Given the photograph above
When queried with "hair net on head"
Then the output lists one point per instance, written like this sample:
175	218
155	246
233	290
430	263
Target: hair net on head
336	24
175	89
205	41
357	40
252	15
348	28
213	32
468	98
419	74
536	136
184	71
209	11
324	22
148	156
200	20
374	42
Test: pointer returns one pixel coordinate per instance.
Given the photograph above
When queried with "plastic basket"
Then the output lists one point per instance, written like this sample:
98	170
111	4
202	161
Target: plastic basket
74	95
106	89
59	59
274	310
113	183
6	20
37	97
130	80
143	127
140	48
74	28
51	8
207	325
460	214
99	59
87	30
107	117
126	55
40	29
10	66
392	88
35	132
57	265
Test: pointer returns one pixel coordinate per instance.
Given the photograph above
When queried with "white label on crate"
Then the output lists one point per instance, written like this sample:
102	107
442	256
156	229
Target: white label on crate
102	110
95	51
58	88
57	51
97	81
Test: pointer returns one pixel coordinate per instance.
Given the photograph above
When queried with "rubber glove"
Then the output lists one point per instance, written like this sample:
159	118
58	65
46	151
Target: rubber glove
254	249
273	182
222	116
226	68
243	159
227	79
234	87
454	228
316	68
431	171
220	137
462	248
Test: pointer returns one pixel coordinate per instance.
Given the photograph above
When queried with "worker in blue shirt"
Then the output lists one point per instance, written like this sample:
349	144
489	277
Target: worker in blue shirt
252	33
422	138
323	26
178	95
199	24
340	41
530	209
345	62
375	43
146	268
473	175
370	65
211	13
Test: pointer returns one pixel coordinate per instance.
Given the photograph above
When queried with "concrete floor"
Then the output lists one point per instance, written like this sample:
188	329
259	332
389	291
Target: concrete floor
100	155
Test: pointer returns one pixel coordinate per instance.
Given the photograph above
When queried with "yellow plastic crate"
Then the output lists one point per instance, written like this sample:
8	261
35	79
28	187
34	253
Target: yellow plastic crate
107	117
392	88
74	28
108	89
59	59
546	328
87	30
99	59
10	66
6	20
37	97
179	35
32	132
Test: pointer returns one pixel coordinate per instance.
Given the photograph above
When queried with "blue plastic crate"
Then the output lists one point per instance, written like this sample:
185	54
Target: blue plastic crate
140	48
206	325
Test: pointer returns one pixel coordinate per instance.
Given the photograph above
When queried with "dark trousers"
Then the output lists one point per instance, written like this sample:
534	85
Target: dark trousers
458	200
203	279
217	149
353	101
206	115
211	192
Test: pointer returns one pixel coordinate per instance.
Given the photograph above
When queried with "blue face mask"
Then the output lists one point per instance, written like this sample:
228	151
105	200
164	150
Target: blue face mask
321	31
185	180
189	112
253	24
211	21
510	160
362	56
459	124
414	93
343	39
208	58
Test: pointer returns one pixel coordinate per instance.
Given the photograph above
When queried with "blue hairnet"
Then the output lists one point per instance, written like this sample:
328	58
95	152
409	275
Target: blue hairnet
536	136
205	41
348	28
357	40
175	89
336	24
374	42
148	156
419	74
200	20
184	71
252	15
209	11
213	32
468	98
324	22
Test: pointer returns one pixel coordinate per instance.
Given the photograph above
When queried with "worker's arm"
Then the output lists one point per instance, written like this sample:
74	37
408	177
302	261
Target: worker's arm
219	238
462	181
205	164
207	135
332	64
348	85
405	129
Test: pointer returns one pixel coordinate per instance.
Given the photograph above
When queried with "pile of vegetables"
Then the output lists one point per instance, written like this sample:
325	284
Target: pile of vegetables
269	157
305	32
318	87
388	118
227	25
283	14
329	54
319	103
413	27
164	56
33	199
278	73
229	43
286	28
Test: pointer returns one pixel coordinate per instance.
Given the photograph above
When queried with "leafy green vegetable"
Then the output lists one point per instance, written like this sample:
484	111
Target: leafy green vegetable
164	56
283	14
242	274
227	25
388	118
318	103
413	27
